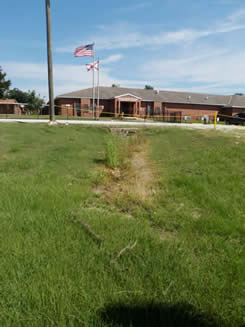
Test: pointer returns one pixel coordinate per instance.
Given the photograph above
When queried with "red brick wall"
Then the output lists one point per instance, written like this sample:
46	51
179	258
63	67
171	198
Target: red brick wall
144	107
108	106
85	107
226	111
9	107
6	109
191	110
62	109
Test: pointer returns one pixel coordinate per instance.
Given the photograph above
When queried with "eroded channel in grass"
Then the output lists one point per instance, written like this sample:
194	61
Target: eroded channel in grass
128	174
128	180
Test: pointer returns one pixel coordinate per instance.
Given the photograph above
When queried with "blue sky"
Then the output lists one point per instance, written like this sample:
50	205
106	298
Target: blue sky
191	45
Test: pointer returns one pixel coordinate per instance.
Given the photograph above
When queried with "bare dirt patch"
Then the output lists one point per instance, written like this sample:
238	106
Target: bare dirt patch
131	182
141	180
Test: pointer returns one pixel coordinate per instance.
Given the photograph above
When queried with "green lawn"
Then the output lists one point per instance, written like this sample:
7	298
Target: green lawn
188	265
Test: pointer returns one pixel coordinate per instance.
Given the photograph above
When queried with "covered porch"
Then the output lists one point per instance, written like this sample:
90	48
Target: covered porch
127	105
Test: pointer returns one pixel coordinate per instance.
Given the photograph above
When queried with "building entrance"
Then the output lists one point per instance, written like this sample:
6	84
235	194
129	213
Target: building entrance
127	108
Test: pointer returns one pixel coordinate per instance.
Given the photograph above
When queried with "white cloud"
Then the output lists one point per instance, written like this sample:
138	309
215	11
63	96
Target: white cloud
199	69
213	70
66	77
237	16
124	35
112	59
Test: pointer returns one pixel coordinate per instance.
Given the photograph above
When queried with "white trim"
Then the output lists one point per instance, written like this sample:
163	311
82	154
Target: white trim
127	94
196	103
14	103
238	107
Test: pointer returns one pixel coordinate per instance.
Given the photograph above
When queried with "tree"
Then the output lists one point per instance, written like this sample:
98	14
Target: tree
239	94
4	85
149	87
33	101
18	95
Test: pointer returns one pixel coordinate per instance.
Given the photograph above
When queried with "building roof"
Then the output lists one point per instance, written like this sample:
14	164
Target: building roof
238	101
8	101
195	98
162	96
112	92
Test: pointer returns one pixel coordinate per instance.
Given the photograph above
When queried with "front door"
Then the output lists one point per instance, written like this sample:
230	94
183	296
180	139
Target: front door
149	109
126	107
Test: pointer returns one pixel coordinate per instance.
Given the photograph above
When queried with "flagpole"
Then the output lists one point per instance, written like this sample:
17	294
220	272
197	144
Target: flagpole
50	64
93	82
98	98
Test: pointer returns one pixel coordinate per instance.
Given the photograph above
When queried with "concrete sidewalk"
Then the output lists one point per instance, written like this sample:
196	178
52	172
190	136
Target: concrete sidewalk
123	123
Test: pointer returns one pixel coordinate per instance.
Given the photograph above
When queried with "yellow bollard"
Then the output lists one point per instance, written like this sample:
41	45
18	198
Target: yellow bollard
215	119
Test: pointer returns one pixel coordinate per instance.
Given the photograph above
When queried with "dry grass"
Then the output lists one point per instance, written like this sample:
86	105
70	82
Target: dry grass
133	180
140	176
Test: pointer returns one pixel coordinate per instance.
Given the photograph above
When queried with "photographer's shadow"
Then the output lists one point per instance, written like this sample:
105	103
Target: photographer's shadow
157	315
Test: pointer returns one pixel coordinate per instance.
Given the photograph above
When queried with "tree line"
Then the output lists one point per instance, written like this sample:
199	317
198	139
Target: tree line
33	102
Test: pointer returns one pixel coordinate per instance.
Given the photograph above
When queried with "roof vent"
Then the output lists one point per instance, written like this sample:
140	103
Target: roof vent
156	91
189	97
206	98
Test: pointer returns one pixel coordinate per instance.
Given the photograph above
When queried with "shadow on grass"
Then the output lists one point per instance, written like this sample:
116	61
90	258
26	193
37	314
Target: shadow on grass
100	161
157	315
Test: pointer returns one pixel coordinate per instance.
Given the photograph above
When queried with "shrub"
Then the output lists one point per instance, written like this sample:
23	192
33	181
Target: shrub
112	156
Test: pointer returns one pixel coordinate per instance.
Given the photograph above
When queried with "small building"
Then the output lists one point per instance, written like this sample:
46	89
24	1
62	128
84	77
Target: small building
10	107
115	101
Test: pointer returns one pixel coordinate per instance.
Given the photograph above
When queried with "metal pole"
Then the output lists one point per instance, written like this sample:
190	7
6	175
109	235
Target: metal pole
93	82
98	98
50	63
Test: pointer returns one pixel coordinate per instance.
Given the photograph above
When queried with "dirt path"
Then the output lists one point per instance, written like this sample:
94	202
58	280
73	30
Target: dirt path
142	176
132	183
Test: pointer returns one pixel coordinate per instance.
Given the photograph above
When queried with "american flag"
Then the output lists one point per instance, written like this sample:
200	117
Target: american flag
86	50
94	65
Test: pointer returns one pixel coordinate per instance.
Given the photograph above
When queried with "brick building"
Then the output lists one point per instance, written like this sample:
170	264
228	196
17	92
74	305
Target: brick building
141	102
10	107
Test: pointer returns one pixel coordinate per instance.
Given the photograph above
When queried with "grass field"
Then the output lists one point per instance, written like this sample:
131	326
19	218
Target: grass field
76	251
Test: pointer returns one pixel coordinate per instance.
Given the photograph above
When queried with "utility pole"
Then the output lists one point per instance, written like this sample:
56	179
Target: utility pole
50	63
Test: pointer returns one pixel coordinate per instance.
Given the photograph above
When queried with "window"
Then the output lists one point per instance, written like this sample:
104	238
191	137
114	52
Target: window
163	109
78	106
157	111
149	109
85	108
